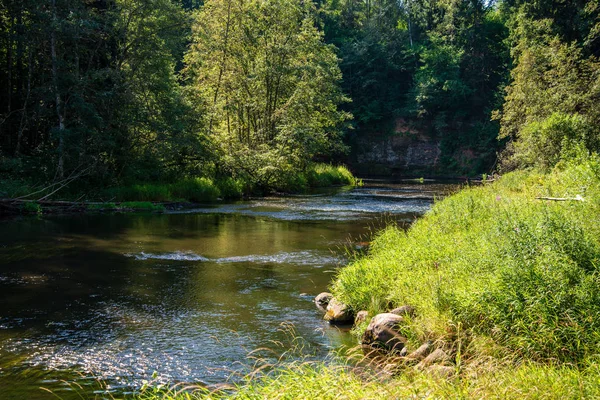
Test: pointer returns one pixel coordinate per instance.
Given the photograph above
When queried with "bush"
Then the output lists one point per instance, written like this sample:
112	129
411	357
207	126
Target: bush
323	175
232	188
559	137
102	207
196	190
31	207
145	192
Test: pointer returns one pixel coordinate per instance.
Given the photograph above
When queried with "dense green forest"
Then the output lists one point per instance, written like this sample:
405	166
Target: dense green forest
253	92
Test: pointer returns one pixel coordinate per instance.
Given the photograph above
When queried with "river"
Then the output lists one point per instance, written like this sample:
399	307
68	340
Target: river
179	297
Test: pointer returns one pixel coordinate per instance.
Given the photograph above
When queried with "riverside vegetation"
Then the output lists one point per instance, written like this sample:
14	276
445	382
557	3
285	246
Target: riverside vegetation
217	97
504	278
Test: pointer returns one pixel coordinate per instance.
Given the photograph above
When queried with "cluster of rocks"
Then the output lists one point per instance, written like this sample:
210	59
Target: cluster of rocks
383	335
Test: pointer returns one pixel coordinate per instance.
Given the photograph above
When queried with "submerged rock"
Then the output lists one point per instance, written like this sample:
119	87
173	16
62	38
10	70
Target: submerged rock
338	312
383	332
322	300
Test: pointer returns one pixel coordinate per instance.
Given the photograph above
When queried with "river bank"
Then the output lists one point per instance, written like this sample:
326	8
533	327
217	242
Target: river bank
504	280
26	198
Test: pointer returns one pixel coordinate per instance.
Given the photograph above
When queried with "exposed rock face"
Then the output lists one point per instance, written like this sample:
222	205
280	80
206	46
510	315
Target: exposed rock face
322	300
404	151
383	332
404	311
338	312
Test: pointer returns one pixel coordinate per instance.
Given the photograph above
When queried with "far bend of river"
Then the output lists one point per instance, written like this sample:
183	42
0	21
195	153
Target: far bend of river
185	295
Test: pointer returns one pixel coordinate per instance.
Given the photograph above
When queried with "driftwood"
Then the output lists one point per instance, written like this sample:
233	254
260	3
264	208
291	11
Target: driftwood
576	198
15	206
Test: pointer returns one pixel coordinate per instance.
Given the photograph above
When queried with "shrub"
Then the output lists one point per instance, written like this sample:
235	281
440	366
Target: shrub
559	137
196	190
322	175
31	207
231	188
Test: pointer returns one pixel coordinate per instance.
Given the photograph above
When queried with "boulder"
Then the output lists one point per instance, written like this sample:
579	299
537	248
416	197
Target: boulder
322	300
439	356
442	371
361	317
421	352
338	312
383	332
408	311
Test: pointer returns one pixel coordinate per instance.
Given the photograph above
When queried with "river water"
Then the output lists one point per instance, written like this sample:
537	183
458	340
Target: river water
179	297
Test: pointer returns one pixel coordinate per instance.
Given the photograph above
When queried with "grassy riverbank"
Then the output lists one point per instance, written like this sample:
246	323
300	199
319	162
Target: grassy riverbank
145	196
504	278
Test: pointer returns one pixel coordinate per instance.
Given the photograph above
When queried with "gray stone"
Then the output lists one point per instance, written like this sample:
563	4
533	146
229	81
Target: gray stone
338	312
404	311
322	300
439	356
421	352
383	332
442	371
361	317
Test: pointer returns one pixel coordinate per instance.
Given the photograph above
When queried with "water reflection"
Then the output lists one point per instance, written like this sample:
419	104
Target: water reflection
186	294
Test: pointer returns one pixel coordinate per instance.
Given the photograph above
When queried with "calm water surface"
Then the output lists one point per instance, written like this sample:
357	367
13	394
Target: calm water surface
184	295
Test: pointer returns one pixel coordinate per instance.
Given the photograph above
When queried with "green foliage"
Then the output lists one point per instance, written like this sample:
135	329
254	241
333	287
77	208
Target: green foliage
497	262
268	86
197	190
323	175
232	189
146	192
31	207
192	189
317	380
558	137
551	105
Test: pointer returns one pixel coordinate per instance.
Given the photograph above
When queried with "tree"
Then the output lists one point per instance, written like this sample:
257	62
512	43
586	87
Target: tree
555	88
268	85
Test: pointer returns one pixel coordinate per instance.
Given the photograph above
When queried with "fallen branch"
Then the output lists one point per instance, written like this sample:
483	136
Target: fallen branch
576	198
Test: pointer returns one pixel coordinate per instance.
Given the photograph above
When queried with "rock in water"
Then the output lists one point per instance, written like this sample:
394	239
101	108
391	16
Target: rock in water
322	300
338	312
383	332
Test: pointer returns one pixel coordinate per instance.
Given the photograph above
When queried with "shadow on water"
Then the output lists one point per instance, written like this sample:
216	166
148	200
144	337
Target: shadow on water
185	294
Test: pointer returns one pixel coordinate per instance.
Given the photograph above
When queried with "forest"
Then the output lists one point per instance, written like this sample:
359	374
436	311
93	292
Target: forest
115	93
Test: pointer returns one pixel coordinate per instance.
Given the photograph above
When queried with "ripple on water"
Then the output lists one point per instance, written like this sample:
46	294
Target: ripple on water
305	257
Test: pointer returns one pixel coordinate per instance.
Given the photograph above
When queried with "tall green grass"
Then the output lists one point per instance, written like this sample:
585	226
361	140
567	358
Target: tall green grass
192	189
317	175
512	270
203	190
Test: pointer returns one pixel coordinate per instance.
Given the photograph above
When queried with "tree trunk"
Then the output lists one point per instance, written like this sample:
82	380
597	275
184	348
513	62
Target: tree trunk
223	64
59	106
22	125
